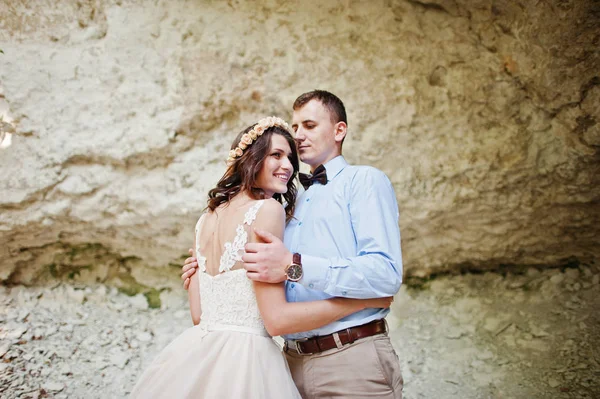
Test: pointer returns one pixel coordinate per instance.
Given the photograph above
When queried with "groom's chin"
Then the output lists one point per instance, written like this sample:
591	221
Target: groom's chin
304	158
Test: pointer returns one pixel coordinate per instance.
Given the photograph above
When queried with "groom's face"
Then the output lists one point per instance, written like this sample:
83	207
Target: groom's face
315	134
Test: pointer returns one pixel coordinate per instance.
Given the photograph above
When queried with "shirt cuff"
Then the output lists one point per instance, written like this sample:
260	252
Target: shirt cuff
316	272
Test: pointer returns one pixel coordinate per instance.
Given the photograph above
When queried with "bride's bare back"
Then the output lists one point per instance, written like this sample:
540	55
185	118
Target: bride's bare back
222	234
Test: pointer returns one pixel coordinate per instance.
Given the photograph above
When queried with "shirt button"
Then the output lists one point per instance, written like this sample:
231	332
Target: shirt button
300	224
344	292
292	285
311	285
308	199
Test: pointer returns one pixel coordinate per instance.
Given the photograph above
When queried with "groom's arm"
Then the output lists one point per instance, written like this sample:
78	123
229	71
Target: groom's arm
376	270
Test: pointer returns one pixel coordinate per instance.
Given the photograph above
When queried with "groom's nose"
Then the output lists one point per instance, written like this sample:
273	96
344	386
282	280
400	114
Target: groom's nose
299	136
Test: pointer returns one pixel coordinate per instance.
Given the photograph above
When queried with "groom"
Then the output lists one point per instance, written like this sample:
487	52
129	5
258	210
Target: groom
343	241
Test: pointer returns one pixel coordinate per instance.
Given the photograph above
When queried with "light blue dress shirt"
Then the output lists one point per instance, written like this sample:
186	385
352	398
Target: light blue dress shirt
347	232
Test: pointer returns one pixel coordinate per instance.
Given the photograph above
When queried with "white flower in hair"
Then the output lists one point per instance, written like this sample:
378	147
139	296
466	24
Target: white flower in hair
246	139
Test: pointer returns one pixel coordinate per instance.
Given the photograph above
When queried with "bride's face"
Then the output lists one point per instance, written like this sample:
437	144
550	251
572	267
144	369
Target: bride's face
277	168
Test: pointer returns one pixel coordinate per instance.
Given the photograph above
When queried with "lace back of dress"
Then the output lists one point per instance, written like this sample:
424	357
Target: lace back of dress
228	298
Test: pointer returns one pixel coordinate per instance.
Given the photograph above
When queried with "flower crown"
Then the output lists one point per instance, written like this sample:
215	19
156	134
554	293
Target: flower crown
251	136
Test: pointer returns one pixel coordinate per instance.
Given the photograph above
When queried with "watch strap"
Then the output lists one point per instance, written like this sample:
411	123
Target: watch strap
297	259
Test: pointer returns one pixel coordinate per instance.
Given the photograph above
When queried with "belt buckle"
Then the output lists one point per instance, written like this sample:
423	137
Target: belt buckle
298	346
349	333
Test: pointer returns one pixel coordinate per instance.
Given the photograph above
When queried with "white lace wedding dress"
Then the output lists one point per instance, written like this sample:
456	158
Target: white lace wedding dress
229	354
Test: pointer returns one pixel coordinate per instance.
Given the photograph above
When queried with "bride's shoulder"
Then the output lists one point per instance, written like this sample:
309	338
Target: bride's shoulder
273	205
271	218
271	209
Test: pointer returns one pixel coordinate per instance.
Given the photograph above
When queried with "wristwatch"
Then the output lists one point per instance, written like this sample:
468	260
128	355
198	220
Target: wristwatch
293	271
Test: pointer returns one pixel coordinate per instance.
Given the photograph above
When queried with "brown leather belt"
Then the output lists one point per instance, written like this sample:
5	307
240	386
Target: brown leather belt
323	343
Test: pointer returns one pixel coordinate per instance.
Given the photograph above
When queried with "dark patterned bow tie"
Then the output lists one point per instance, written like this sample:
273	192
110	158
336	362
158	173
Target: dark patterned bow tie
320	176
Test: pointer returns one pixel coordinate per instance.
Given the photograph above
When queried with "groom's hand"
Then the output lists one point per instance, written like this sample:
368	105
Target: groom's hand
266	262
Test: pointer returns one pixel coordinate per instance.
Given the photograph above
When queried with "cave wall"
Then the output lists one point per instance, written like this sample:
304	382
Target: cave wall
117	117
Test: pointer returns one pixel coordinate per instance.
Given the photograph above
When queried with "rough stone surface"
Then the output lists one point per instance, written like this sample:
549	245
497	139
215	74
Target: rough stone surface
469	337
117	116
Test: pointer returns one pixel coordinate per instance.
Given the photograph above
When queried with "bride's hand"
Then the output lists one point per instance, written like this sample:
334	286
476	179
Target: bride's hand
188	269
379	303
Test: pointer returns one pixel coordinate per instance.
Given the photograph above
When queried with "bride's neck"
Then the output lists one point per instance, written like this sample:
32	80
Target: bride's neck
242	198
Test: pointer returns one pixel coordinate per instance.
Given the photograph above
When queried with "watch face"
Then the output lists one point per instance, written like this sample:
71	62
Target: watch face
294	272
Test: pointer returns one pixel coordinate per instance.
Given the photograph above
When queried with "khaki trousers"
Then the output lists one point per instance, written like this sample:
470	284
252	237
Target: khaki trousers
368	368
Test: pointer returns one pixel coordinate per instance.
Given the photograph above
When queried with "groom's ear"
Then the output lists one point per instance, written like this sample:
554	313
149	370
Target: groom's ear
340	131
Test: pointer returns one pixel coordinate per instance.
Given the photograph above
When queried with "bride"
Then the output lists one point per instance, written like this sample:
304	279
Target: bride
229	352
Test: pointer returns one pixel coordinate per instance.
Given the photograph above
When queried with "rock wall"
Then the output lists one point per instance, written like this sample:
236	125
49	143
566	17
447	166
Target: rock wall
484	114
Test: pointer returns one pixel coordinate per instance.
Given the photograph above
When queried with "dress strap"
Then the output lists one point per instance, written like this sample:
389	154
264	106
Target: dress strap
234	250
250	215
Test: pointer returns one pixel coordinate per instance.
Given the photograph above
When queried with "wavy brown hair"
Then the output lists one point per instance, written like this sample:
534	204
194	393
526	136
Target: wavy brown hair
242	174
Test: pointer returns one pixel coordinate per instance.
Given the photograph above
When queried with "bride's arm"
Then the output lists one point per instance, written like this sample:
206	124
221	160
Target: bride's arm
282	317
194	297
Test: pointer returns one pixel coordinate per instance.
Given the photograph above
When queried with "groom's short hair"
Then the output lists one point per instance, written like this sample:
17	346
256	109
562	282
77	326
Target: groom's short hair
330	101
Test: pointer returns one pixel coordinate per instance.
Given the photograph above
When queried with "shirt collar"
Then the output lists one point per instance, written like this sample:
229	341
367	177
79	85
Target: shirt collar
334	167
